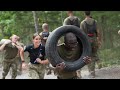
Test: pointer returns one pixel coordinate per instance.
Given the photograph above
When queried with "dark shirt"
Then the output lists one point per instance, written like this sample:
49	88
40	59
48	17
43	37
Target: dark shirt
44	36
35	53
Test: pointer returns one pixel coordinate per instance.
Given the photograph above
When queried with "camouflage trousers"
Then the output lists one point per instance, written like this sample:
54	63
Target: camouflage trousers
19	65
36	71
7	64
94	56
92	64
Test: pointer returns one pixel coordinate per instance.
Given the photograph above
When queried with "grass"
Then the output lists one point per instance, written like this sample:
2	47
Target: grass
110	57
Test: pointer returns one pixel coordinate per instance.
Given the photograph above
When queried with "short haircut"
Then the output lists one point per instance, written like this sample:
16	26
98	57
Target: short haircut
44	25
87	13
14	35
70	11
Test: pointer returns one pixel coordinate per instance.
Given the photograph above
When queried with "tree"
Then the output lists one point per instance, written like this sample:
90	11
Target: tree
36	21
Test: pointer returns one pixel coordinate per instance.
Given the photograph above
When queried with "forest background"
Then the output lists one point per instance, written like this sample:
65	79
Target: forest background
24	23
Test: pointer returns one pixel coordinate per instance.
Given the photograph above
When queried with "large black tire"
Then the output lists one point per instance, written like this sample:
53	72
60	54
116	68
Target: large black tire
51	47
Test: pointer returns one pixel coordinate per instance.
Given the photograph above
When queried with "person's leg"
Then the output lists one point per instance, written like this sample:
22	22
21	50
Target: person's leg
14	70
33	74
41	71
19	67
91	68
98	61
99	64
6	68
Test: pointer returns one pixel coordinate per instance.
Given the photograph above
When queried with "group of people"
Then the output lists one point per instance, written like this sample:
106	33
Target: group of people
90	28
69	50
14	52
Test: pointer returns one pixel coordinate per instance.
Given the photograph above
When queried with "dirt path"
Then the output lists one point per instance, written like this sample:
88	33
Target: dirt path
112	72
103	73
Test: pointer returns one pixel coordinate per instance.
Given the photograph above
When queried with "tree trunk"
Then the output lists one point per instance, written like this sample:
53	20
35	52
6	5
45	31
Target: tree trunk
103	29
111	38
36	21
45	17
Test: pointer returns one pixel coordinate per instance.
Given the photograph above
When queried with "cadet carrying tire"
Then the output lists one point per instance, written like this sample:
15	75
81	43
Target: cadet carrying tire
51	47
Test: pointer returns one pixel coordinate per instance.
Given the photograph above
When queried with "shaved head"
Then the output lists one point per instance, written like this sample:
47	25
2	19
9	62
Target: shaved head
45	26
70	40
70	37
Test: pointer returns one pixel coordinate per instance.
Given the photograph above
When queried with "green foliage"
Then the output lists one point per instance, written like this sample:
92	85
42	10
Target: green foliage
22	24
110	56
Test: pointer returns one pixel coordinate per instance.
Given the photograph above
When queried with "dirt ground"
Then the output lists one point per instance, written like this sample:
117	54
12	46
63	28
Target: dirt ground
112	72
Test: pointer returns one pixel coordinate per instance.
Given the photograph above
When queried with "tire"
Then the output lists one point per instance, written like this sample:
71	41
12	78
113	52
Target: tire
51	47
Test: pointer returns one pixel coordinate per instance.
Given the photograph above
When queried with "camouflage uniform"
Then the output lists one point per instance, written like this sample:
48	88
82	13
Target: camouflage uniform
94	44
19	65
44	35
36	70
10	61
68	56
73	20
